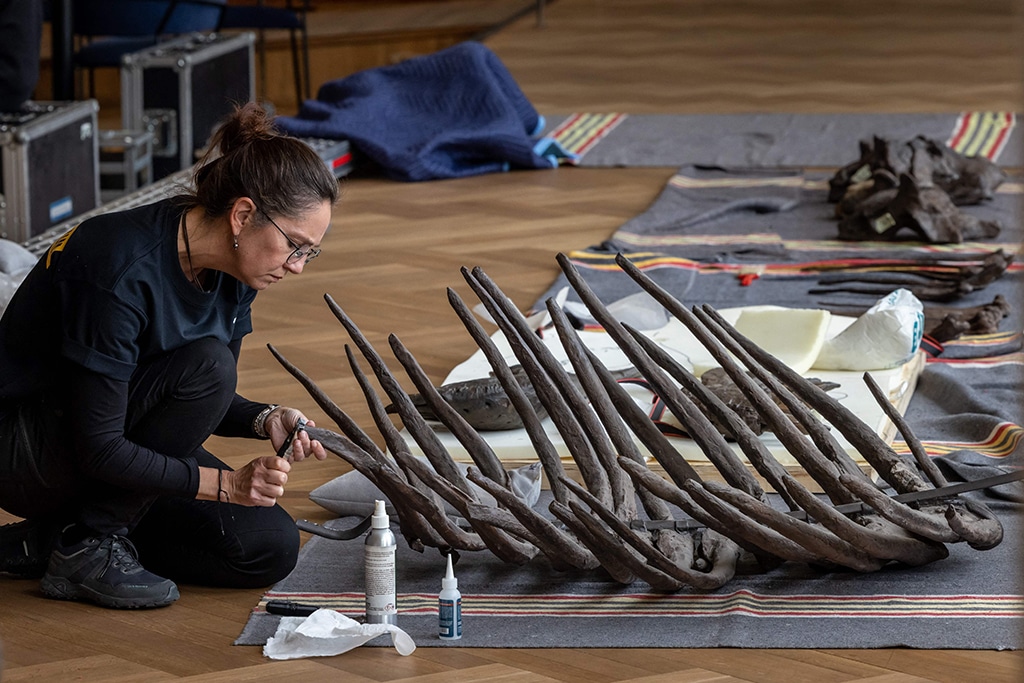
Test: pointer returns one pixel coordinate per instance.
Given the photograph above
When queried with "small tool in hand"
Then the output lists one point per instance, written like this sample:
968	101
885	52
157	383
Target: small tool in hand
285	451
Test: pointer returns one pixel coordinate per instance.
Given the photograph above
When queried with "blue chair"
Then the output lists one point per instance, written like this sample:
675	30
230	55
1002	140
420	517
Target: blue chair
292	18
108	29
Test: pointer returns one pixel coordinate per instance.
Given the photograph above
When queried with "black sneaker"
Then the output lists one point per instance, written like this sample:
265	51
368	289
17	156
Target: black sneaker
25	547
105	570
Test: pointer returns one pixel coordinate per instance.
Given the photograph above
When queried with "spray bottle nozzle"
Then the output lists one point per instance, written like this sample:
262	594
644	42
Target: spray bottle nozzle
379	520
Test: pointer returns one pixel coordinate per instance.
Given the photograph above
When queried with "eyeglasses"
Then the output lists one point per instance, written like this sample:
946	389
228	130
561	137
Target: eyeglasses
299	252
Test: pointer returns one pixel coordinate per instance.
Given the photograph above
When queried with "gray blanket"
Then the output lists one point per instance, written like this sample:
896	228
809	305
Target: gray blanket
762	140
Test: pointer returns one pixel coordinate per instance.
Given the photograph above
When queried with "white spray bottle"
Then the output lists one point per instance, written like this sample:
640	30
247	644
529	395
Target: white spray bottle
449	606
380	569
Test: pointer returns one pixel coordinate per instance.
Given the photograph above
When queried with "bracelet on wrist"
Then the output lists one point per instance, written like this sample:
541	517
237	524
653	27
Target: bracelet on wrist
259	423
222	495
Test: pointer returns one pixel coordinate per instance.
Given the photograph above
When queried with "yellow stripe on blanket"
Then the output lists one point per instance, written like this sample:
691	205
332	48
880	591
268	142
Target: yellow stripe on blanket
580	132
982	133
1001	442
740	602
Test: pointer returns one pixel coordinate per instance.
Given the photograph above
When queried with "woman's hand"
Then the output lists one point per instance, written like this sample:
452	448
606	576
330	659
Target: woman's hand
259	483
279	426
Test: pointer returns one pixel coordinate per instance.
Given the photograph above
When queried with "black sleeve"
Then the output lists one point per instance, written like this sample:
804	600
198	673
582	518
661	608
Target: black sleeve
98	408
237	421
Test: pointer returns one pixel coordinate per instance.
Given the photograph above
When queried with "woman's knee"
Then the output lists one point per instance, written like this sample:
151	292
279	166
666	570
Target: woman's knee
267	553
175	401
210	364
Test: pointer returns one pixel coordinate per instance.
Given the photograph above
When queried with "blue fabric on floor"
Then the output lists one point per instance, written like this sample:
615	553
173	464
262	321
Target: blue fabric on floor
454	113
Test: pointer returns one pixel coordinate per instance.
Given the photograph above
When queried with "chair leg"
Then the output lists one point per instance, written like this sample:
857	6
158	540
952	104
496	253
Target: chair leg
300	64
307	85
261	59
296	67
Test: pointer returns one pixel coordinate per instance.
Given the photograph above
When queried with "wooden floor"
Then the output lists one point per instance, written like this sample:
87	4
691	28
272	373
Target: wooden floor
394	248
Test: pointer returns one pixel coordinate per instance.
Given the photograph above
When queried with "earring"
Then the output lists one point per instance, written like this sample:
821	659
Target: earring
236	243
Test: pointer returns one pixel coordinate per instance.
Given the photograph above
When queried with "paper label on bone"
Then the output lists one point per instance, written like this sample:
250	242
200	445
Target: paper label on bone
861	174
882	223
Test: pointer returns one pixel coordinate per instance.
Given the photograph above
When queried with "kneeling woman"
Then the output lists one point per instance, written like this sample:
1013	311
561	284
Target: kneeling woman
117	362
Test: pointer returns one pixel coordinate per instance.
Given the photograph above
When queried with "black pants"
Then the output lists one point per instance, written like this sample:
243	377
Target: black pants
174	404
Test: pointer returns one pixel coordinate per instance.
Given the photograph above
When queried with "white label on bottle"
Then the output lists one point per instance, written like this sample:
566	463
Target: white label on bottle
380	580
449	614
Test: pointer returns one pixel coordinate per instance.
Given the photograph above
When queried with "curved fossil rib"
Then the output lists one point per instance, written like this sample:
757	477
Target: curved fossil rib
710	440
477	447
976	524
546	453
909	550
444	466
879	455
559	409
815	538
561	549
923	461
613	423
716	578
712	513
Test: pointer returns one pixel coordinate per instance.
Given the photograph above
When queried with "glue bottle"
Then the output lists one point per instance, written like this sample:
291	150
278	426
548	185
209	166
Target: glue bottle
449	606
380	569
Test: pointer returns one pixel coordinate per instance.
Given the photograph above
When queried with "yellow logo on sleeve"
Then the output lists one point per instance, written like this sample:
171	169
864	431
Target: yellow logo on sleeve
59	245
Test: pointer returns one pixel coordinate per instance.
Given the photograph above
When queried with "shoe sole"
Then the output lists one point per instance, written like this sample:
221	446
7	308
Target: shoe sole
61	589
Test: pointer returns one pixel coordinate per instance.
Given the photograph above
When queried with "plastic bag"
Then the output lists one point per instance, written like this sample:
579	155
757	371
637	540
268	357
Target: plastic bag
887	335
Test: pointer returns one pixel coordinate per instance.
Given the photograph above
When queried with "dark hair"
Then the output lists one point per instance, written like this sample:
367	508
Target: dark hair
247	157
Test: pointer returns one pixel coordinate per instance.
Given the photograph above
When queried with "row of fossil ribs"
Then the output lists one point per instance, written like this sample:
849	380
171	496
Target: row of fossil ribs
594	523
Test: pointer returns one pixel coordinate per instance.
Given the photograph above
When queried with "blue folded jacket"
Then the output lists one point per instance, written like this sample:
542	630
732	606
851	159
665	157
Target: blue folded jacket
454	113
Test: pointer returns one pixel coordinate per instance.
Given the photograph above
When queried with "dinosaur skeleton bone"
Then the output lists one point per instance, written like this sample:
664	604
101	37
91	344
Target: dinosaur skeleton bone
942	285
598	523
967	179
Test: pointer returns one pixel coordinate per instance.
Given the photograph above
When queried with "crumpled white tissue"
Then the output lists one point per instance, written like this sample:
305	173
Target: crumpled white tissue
887	335
325	633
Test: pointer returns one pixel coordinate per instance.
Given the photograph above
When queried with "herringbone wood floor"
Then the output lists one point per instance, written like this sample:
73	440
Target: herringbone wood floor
394	248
